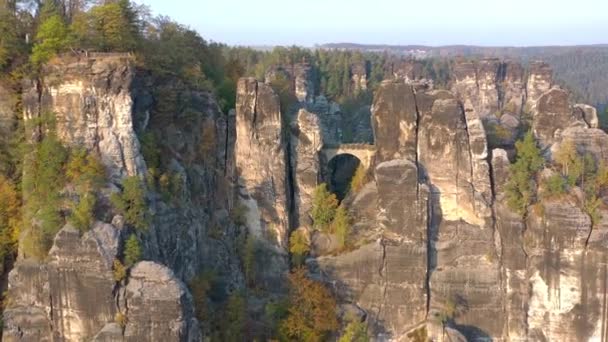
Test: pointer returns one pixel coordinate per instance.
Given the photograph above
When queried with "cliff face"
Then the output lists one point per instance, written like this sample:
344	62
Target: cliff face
98	103
433	243
433	232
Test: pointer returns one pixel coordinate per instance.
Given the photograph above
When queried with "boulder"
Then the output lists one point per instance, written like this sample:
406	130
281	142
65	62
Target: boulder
159	306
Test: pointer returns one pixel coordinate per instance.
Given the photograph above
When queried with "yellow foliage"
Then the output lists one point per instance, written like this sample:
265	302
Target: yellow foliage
120	271
359	178
10	217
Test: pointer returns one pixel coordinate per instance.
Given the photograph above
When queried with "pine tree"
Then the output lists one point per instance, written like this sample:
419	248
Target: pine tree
521	187
132	251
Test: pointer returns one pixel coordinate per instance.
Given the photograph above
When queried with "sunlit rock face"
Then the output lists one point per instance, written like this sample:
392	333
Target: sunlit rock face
91	102
500	276
264	189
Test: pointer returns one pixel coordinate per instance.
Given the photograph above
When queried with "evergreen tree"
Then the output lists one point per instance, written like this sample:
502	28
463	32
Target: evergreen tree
53	37
521	186
132	251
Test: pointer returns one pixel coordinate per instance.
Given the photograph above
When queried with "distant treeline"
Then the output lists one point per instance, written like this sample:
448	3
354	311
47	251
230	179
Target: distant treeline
582	69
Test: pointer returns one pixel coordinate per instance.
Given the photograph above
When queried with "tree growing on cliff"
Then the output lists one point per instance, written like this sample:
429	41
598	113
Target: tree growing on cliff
131	202
43	179
114	26
10	218
298	247
311	312
53	37
521	186
340	226
324	206
132	251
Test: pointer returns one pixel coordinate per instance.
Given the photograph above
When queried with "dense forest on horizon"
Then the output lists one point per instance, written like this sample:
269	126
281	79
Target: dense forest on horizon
580	68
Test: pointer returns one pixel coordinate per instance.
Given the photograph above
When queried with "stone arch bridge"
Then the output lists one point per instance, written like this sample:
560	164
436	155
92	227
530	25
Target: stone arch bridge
364	152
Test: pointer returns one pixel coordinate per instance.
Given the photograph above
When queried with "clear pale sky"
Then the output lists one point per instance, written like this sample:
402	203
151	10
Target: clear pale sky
427	22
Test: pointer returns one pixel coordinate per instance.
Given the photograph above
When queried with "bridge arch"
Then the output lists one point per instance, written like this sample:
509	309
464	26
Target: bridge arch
340	162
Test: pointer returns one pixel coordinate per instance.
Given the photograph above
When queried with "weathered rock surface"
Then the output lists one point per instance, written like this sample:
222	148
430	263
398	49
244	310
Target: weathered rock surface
306	143
540	80
159	306
478	83
261	157
358	73
300	76
92	103
73	290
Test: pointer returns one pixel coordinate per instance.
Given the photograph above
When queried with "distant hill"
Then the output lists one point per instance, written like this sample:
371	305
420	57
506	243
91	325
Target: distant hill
583	68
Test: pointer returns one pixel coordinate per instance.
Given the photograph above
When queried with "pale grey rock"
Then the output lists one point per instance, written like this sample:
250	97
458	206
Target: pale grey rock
306	143
540	80
261	157
93	108
553	115
111	332
159	306
477	82
74	288
589	114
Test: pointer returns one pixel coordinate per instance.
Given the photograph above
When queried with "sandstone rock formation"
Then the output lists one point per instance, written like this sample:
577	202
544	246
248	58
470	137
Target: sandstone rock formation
261	158
72	293
358	73
306	143
159	306
100	101
299	75
442	233
91	101
433	243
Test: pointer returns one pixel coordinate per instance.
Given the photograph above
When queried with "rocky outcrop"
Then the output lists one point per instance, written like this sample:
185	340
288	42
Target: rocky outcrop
442	217
159	306
103	96
300	76
92	106
261	157
72	293
553	114
540	80
358	73
264	185
306	143
478	82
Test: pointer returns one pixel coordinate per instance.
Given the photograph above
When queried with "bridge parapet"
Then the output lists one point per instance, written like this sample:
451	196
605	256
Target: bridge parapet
355	146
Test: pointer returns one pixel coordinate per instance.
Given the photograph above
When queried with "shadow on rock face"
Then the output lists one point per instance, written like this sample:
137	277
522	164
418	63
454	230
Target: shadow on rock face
342	168
473	333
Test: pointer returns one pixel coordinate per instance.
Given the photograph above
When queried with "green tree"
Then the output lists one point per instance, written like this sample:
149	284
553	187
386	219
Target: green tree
356	331
555	185
234	318
521	188
200	287
53	37
298	247
341	226
10	218
82	215
10	40
131	202
43	178
324	206
115	26
132	251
